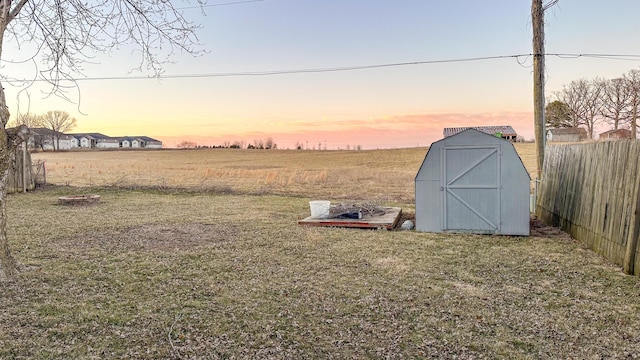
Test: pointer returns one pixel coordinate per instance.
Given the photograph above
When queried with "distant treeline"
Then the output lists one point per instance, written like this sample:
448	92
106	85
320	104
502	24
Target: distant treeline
267	143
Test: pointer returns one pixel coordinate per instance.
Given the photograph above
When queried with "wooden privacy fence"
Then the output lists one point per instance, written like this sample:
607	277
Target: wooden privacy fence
23	174
591	192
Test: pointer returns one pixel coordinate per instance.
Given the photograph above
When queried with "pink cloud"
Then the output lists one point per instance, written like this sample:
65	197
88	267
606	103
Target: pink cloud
383	132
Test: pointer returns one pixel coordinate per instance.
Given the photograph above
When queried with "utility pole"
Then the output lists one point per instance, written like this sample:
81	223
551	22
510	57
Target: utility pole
537	18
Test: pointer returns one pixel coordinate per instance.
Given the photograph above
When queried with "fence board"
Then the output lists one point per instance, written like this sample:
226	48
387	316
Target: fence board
16	177
592	192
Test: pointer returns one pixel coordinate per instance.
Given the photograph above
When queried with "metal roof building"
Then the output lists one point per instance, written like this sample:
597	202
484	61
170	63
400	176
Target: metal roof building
572	134
472	182
503	131
616	134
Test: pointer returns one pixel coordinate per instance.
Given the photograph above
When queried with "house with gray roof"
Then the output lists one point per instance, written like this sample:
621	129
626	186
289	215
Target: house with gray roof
139	142
95	140
570	134
47	139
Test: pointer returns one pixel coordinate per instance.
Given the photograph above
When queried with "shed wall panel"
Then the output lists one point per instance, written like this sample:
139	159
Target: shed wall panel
472	182
429	206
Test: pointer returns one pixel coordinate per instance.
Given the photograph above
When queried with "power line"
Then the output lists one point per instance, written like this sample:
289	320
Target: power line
628	57
305	71
218	4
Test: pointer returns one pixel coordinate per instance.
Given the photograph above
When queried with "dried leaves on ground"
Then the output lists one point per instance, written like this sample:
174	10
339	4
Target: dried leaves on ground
149	274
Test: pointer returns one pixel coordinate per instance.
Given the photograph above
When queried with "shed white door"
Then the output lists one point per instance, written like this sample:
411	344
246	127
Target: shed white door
471	188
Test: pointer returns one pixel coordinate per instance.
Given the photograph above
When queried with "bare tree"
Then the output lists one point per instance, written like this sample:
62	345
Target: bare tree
593	108
572	96
59	122
67	33
615	100
632	87
258	144
29	120
269	143
187	145
584	100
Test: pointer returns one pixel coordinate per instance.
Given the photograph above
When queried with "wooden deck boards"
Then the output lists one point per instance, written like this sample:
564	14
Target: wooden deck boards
388	220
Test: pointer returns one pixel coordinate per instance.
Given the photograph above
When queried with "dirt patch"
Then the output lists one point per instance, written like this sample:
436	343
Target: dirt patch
79	200
154	237
540	229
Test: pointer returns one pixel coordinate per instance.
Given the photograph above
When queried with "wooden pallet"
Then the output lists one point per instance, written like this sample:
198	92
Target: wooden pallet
388	220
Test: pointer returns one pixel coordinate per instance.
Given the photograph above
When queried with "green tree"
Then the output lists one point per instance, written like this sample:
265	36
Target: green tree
557	115
66	34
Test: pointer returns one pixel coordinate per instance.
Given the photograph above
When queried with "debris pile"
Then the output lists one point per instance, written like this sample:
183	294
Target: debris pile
352	210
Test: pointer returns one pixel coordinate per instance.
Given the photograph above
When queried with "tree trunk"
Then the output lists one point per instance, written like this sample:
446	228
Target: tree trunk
634	121
8	265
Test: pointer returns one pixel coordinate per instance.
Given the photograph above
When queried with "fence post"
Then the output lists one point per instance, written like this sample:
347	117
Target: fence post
24	167
632	243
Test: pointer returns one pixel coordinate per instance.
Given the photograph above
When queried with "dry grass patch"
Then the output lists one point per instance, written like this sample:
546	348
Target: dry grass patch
151	238
149	274
385	175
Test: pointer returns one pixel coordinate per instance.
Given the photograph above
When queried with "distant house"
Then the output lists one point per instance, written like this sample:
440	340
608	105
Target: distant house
150	143
67	142
84	141
44	139
505	131
139	142
47	139
616	134
572	134
95	140
39	136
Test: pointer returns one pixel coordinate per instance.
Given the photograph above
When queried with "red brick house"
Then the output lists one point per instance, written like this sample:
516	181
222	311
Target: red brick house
616	134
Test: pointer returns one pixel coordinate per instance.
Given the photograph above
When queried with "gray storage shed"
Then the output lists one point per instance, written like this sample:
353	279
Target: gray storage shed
472	182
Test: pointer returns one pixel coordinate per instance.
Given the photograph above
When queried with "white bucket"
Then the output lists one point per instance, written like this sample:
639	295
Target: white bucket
532	203
320	209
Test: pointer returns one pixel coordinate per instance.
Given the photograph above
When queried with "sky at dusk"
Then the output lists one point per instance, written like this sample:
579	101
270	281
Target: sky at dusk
379	107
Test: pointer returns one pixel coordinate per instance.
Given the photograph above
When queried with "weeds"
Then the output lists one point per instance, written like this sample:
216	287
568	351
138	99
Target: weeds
152	274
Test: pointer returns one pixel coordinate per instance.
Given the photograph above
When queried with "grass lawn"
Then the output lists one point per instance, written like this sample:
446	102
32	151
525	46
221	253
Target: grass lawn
194	274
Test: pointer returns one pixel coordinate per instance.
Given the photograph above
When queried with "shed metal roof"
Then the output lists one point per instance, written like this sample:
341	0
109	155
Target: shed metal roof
624	131
95	136
143	138
505	130
569	131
